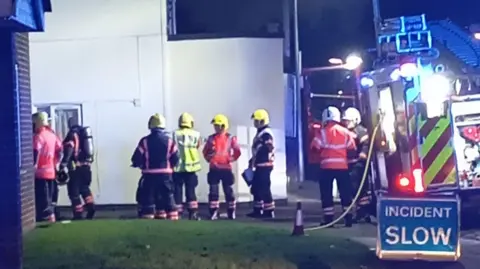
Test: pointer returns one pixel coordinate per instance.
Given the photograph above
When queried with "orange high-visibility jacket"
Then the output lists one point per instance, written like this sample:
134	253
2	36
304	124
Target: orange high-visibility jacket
221	150
332	143
47	148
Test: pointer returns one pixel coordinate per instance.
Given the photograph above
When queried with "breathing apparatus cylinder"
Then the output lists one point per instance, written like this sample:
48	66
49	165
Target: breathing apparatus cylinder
87	143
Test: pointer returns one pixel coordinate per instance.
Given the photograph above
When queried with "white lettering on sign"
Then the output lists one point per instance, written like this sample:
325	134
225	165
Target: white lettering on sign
419	236
417	212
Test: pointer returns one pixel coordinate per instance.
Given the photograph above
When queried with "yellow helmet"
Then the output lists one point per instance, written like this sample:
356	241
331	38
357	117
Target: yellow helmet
220	120
156	121
261	115
185	120
40	119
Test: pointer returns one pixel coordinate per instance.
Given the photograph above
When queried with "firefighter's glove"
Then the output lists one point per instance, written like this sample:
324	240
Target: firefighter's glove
63	168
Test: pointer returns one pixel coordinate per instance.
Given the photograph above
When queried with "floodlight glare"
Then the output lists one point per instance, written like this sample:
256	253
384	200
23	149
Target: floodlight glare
435	87
366	82
353	62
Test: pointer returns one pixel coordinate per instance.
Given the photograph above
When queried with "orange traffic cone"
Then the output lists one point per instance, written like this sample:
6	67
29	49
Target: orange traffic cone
298	224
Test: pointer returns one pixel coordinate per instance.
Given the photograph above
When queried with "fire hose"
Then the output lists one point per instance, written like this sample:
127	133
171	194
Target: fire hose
359	191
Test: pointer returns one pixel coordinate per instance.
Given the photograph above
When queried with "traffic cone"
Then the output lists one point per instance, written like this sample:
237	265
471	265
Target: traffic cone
298	224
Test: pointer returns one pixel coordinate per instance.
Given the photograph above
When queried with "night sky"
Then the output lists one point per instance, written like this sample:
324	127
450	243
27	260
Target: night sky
328	28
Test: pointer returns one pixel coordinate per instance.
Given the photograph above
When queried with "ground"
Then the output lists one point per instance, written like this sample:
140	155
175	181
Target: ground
143	244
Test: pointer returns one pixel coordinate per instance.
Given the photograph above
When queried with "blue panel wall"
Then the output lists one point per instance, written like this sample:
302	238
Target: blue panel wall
10	202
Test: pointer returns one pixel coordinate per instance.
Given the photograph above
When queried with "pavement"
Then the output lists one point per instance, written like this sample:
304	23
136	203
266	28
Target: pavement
307	193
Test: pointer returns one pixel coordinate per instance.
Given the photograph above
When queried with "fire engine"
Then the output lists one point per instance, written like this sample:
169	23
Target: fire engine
422	103
426	158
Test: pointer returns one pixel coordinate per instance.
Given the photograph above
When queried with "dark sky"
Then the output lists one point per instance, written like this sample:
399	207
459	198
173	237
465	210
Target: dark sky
328	28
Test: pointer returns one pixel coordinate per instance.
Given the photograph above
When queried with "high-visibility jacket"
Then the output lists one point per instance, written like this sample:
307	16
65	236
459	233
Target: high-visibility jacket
188	142
156	153
333	142
362	143
263	148
221	150
313	131
47	148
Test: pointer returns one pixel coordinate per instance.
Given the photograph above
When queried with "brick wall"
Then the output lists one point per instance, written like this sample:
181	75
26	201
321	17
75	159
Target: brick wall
26	169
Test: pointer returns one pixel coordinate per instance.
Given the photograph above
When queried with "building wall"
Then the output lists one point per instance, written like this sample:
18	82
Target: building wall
234	77
100	54
25	127
112	58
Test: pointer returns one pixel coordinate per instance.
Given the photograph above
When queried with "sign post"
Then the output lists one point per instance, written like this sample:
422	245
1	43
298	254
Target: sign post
418	229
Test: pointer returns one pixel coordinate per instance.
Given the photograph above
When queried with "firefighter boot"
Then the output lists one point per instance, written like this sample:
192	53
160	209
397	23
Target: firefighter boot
77	215
231	214
327	220
90	211
256	213
193	215
56	211
360	215
51	218
348	220
213	213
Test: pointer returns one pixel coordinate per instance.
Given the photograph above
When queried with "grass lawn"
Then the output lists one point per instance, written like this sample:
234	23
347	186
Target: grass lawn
143	244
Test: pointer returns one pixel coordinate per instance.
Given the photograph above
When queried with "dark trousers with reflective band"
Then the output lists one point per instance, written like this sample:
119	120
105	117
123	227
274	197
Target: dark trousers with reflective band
55	199
215	177
357	170
344	185
261	189
44	189
140	196
55	193
157	190
189	180
78	188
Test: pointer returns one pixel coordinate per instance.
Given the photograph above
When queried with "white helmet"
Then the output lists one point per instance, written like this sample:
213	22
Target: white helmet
352	114
331	113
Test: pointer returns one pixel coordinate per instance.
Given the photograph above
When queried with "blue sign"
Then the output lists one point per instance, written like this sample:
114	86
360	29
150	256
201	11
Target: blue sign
418	225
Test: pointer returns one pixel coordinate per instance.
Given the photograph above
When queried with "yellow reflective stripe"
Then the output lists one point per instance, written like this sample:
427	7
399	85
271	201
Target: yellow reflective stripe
452	177
434	135
437	164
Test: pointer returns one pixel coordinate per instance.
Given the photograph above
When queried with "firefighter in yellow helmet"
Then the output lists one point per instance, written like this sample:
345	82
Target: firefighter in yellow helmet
156	155
262	163
47	149
220	151
188	141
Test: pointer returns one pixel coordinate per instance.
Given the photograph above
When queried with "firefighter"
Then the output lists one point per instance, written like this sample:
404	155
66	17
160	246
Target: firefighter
77	161
357	161
221	149
333	142
47	148
156	155
262	163
188	142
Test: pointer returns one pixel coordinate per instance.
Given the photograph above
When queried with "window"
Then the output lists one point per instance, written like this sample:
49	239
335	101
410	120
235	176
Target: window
59	115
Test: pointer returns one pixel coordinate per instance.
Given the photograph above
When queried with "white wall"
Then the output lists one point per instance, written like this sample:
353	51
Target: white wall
233	77
112	57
